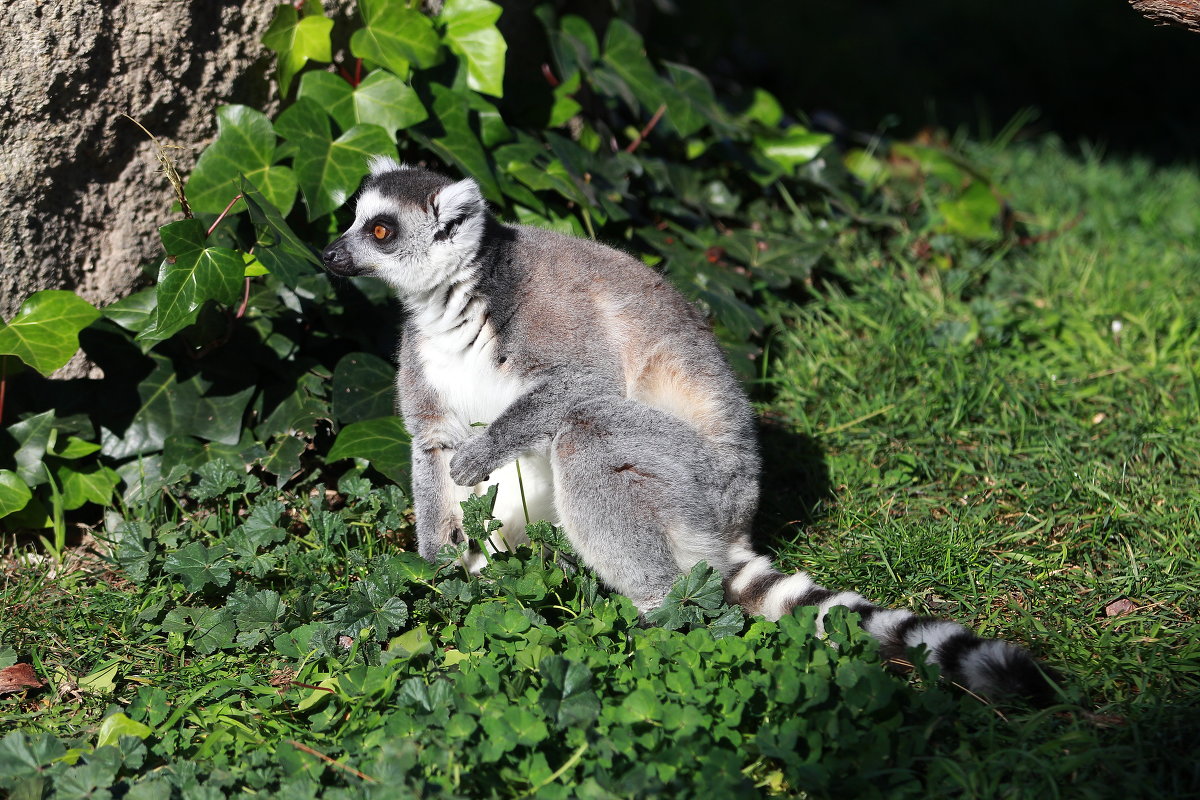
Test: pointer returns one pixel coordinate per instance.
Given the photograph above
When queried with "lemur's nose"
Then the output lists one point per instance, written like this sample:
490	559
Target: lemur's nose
336	257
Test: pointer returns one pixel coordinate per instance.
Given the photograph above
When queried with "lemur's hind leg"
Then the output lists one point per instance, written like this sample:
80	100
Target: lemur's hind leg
630	492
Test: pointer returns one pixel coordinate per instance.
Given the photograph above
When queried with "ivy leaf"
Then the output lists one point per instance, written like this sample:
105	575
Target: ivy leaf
471	33
282	459
395	36
572	41
44	333
793	147
383	441
76	448
170	407
691	103
295	41
14	492
276	246
567	697
329	170
135	312
625	55
199	566
33	436
191	274
94	484
381	99
245	146
364	387
450	134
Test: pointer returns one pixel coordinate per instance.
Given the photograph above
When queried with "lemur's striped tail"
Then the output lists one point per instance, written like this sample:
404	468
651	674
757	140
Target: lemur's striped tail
988	667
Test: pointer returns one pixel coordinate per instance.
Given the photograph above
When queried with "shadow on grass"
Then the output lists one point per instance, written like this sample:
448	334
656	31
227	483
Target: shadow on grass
795	483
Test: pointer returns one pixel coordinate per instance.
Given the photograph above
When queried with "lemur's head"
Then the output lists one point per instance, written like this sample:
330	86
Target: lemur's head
413	228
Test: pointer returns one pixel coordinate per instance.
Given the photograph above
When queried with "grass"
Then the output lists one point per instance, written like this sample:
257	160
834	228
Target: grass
1007	437
1015	442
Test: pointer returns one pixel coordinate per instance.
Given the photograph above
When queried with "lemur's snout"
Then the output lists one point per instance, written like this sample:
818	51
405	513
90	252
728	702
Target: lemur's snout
336	259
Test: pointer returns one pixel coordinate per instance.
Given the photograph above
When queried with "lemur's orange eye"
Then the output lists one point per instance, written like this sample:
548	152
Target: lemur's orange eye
381	232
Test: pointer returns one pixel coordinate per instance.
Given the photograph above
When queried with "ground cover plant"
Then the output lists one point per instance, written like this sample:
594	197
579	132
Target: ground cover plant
976	368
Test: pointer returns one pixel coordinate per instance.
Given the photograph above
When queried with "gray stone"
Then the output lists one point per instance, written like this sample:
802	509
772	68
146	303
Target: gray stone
79	184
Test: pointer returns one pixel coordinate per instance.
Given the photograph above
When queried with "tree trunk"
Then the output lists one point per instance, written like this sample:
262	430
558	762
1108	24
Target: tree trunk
79	185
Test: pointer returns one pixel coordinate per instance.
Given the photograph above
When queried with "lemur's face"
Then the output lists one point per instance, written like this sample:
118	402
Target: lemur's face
412	228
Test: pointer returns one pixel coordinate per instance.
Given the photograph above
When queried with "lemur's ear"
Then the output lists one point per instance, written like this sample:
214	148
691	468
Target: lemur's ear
378	165
453	205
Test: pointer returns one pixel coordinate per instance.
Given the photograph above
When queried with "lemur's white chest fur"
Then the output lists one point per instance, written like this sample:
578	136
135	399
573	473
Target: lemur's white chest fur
457	351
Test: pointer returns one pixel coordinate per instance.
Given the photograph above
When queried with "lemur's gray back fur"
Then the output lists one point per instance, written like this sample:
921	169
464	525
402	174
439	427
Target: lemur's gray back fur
633	432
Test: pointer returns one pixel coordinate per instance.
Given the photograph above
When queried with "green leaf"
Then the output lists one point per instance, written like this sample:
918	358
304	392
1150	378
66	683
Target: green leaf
625	55
94	484
565	106
793	147
383	441
205	629
449	133
690	597
297	642
135	312
173	408
282	459
411	644
260	611
33	436
44	333
190	275
381	99
395	36
117	725
691	104
199	566
296	41
131	553
284	254
329	170
245	146
372	609
102	680
76	448
364	387
567	697
472	34
14	492
410	568
973	215
24	755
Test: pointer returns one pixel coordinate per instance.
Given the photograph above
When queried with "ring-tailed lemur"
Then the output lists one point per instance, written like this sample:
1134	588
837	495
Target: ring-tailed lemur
632	431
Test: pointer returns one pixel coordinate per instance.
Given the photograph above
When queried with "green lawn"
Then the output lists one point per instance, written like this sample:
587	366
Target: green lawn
1015	442
1009	437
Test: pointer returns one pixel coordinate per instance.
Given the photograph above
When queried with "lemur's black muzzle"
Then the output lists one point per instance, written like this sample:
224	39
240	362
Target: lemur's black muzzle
337	260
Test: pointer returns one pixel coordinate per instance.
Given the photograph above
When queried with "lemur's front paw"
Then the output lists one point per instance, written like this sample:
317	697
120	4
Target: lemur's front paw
471	465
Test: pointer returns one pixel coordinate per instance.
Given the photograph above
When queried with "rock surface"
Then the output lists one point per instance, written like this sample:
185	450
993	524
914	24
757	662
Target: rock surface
80	187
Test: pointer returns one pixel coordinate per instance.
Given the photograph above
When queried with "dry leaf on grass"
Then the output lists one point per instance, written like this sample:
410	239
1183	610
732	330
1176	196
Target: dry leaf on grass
1119	608
18	677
